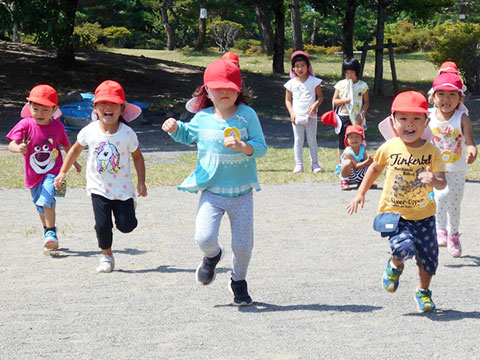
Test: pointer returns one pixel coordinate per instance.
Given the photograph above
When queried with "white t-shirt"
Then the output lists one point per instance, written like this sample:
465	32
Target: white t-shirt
108	164
303	94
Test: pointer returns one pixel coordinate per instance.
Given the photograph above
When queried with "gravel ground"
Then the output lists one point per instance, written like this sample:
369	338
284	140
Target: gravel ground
315	277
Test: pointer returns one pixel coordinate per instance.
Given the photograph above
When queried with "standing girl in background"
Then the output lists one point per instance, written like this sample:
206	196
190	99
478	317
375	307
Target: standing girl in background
229	138
453	136
110	142
351	99
303	95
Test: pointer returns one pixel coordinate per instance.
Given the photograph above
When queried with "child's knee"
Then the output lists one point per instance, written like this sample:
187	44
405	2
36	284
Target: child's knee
403	249
346	167
126	226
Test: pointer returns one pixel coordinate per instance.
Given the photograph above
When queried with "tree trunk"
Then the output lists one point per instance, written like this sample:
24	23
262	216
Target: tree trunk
297	41
279	40
64	39
314	38
378	83
168	28
202	28
263	20
348	24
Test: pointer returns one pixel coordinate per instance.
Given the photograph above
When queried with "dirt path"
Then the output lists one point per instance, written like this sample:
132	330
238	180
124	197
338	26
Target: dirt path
315	279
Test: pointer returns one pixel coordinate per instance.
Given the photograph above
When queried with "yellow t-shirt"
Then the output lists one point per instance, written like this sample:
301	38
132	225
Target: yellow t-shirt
403	193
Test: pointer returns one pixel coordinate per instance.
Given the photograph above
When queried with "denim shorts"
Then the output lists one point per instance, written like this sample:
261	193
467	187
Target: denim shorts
416	238
44	194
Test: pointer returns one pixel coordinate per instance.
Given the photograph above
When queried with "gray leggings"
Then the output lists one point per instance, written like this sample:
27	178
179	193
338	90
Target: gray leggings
209	215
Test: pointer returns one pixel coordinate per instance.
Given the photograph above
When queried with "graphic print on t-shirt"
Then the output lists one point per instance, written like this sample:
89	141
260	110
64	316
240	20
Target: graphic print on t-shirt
44	156
108	157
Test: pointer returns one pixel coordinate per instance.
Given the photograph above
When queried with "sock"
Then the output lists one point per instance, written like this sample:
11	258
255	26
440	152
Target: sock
50	228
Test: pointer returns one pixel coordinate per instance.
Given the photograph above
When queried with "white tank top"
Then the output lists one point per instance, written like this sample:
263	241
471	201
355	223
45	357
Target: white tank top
449	139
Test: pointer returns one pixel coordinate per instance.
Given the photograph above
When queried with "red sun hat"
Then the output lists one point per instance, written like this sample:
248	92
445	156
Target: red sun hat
448	67
353	129
448	81
223	74
410	102
110	91
299	52
43	95
230	55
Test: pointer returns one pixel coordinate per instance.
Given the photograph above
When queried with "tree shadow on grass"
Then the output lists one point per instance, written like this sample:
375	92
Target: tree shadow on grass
448	315
261	307
474	262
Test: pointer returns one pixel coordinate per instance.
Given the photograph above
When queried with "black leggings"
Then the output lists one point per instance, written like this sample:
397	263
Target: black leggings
124	213
341	136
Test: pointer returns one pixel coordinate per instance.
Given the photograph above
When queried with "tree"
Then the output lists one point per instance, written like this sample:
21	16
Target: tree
279	38
167	7
225	33
202	26
348	26
297	41
262	14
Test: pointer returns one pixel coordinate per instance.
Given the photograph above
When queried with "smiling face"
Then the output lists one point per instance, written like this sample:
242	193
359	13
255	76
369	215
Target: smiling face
108	113
447	100
42	114
223	99
354	140
410	127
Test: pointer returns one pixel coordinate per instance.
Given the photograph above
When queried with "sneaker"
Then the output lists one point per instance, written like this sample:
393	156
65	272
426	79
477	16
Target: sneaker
298	168
424	300
107	264
345	185
206	270
240	293
50	240
442	236
391	277
454	246
316	168
338	169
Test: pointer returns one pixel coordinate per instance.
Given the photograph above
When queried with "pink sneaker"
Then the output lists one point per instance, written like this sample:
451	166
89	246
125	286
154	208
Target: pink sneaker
316	168
298	168
442	236
454	246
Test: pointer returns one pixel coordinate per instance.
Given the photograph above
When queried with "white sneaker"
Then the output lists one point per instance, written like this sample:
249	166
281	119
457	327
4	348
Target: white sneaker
107	264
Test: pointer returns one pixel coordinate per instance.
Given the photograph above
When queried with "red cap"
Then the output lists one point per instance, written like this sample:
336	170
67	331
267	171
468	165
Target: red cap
299	52
43	95
448	67
448	81
222	74
230	55
110	91
410	101
353	129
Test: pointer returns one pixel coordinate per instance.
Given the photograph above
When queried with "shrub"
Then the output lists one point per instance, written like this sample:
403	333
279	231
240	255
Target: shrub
409	38
315	49
460	43
116	35
331	50
86	36
225	33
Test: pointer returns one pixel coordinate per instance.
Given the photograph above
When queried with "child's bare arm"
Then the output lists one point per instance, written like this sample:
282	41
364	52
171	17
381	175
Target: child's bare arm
288	104
313	108
371	175
139	163
14	147
76	165
467	131
337	101
71	157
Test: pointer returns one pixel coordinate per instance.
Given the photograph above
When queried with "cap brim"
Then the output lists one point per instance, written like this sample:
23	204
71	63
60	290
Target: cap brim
338	127
447	87
412	109
222	85
41	101
109	99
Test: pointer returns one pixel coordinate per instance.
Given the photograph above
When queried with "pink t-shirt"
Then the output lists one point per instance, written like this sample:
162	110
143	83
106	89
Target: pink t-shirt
43	152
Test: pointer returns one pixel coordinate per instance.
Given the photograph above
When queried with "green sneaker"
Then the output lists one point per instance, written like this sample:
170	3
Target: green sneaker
391	277
424	300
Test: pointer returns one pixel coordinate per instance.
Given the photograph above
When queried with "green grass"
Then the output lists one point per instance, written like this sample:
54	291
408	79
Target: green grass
328	66
275	168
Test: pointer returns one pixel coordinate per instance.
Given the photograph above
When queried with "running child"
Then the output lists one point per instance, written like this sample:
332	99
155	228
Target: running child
354	159
407	208
110	142
303	95
229	138
351	98
38	137
453	136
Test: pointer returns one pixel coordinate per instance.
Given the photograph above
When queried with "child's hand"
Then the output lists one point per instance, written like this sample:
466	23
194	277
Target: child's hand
170	125
292	119
346	101
359	199
142	189
77	166
59	179
471	153
312	110
23	148
369	160
231	143
427	177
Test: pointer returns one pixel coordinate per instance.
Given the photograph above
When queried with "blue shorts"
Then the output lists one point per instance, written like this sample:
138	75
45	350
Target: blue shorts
416	238
44	194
